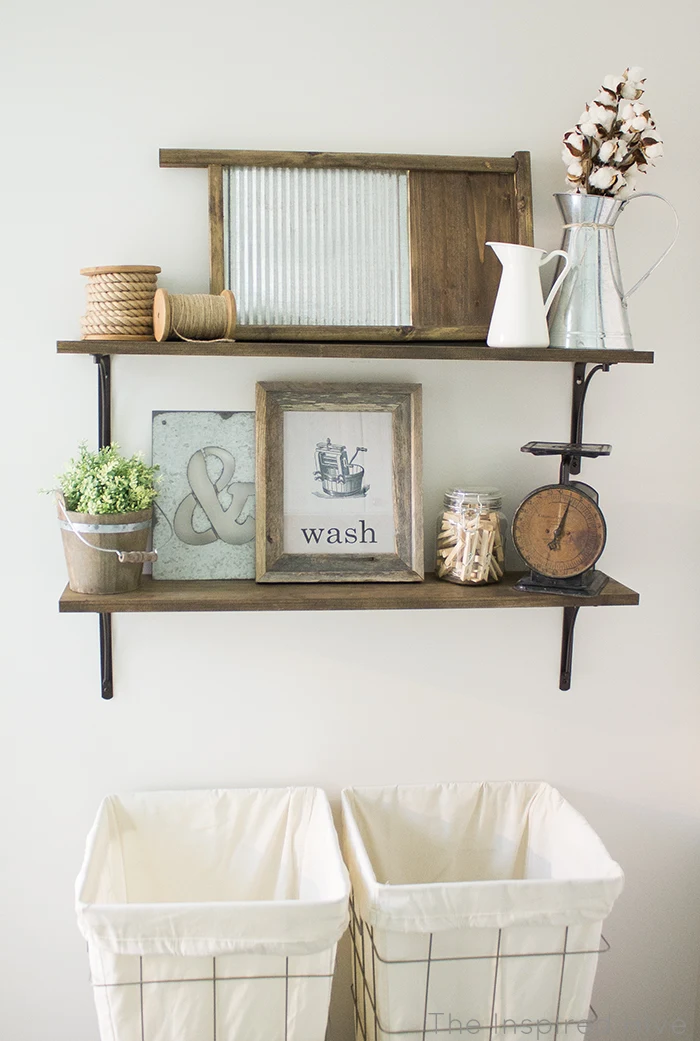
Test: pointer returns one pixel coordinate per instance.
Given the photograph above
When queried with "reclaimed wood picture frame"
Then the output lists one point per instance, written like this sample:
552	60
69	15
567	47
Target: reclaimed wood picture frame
366	247
339	482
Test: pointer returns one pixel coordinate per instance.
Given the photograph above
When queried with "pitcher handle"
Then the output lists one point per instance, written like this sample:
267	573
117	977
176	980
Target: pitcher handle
560	279
672	208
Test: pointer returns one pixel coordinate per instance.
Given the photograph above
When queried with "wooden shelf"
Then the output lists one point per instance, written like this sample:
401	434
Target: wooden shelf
247	595
404	350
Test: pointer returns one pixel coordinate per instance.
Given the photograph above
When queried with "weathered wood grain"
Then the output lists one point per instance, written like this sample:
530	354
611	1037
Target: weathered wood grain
246	595
403	402
216	229
194	157
523	199
386	351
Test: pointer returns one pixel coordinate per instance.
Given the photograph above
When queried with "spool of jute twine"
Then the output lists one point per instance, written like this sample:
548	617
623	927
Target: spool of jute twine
194	316
119	302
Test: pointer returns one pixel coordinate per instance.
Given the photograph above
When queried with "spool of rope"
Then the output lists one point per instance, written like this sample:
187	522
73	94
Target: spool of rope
119	302
194	316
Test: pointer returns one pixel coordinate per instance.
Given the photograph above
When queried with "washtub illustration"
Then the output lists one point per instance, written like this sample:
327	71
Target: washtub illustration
339	477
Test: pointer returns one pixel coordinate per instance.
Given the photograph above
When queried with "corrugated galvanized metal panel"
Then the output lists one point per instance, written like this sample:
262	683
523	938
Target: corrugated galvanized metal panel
317	247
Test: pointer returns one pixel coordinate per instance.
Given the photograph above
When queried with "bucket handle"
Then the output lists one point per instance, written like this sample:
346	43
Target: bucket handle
123	556
672	208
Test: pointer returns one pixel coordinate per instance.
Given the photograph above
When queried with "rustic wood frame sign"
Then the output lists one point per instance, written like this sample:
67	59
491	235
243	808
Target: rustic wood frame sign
339	482
341	246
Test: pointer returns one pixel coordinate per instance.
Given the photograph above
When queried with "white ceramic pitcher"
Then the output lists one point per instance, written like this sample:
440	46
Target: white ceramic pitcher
519	316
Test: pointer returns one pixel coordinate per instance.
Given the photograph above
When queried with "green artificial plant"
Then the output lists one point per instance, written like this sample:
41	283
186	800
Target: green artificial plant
107	482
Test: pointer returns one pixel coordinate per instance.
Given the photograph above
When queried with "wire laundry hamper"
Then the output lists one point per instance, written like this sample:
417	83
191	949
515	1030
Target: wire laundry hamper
211	999
213	915
369	966
476	908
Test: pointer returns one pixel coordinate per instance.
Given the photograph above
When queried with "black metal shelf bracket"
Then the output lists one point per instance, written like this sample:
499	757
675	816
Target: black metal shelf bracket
104	437
567	647
581	383
580	387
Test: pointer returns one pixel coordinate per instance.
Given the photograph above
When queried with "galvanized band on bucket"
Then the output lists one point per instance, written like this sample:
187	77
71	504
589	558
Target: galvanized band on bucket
104	529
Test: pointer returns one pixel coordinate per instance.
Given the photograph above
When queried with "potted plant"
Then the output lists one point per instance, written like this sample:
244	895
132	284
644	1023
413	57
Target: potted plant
105	510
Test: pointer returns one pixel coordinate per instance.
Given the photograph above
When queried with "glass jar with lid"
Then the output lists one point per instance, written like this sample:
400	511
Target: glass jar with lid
471	537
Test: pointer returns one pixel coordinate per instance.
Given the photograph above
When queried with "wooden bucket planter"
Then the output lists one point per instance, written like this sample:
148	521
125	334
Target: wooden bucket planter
90	571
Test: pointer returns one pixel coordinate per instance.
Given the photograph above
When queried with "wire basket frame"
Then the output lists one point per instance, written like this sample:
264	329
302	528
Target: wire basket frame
365	958
217	1033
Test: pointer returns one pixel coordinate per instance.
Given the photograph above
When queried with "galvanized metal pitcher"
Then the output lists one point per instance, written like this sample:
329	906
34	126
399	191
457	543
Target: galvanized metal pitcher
591	309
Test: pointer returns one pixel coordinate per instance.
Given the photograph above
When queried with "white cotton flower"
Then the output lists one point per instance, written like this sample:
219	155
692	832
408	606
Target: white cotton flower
612	83
614	139
607	149
631	90
603	177
635	73
604	117
589	130
654	151
574	143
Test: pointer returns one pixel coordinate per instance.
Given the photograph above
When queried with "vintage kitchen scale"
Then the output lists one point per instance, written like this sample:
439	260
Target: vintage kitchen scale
559	529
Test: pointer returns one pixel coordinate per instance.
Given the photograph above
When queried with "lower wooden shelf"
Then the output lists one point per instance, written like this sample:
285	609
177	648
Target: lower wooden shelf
247	595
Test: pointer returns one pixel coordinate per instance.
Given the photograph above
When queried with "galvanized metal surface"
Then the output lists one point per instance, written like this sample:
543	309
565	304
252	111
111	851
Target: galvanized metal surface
590	310
219	502
317	247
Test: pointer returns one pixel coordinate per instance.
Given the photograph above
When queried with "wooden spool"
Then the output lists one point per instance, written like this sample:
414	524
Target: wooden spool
165	322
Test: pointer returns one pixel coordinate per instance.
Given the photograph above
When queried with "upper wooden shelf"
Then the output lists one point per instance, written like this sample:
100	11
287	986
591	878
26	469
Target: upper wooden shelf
404	350
247	595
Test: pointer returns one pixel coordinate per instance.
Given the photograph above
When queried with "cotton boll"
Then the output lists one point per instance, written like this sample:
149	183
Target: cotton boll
635	73
590	130
603	177
631	90
612	83
574	171
654	151
608	149
627	112
602	116
574	143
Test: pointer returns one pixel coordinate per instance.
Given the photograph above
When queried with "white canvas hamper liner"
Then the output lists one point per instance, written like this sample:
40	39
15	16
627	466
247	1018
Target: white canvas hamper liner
477	910
213	915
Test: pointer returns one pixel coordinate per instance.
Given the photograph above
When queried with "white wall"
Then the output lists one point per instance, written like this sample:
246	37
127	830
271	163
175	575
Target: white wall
91	91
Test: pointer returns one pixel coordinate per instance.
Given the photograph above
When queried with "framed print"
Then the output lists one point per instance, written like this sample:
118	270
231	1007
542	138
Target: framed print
205	511
357	246
339	482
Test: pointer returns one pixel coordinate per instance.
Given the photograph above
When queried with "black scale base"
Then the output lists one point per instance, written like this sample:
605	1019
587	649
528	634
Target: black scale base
590	583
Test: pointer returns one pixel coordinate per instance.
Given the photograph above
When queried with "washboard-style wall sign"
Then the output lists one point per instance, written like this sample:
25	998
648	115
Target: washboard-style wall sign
340	246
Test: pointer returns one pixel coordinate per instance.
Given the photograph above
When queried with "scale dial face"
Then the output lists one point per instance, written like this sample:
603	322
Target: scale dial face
559	531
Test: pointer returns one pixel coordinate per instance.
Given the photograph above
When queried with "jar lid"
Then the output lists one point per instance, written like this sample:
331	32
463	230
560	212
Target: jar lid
481	498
